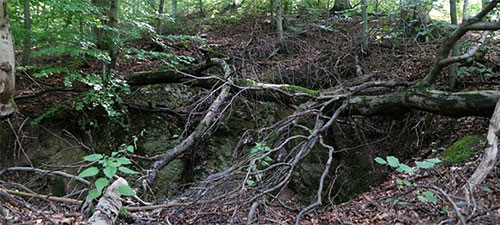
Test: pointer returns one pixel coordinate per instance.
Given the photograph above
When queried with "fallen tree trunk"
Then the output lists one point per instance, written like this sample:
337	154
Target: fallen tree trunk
453	104
458	104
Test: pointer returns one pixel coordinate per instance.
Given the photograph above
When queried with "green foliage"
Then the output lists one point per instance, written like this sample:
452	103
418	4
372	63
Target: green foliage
394	163
462	150
109	166
260	160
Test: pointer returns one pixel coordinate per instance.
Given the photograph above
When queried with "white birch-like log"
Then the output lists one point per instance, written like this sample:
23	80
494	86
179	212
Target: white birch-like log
7	64
109	205
490	152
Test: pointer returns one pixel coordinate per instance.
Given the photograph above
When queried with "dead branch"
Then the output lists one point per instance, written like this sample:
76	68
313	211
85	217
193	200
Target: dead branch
490	152
472	23
165	158
45	172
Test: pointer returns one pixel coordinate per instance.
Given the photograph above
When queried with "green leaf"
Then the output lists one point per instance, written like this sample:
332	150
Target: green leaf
422	198
126	170
126	190
101	183
93	157
486	189
91	171
93	194
113	154
268	159
402	203
259	176
380	161
434	160
390	200
109	171
424	165
393	161
253	150
405	168
130	149
250	182
430	196
399	182
264	164
123	161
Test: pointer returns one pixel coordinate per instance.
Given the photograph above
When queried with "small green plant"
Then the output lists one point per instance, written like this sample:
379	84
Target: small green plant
393	162
260	159
109	166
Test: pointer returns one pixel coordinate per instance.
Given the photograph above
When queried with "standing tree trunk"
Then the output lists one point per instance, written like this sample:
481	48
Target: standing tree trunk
279	24
160	16
454	50
364	27
174	8
27	33
99	32
271	8
464	10
200	5
112	36
7	64
341	5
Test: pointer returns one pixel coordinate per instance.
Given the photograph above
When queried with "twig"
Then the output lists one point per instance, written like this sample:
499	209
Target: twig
331	150
45	172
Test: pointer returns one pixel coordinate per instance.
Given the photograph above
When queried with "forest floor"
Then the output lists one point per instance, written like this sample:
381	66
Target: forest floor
318	55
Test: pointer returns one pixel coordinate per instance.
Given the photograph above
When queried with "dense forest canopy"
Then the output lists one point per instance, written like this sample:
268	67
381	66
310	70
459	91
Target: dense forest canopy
249	112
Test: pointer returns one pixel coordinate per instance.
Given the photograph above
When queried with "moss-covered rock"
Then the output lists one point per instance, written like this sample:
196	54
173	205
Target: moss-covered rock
462	150
170	96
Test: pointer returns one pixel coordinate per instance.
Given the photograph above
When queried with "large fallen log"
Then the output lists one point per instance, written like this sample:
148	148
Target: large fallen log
453	104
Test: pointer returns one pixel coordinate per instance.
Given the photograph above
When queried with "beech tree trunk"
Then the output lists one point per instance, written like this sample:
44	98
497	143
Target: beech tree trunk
27	33
112	36
364	26
454	50
279	24
465	9
159	25
7	63
174	8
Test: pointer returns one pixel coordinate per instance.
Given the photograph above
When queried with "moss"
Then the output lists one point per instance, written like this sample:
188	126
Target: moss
462	150
301	89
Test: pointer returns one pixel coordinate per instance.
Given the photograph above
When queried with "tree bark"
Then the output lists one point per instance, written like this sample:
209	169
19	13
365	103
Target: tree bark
454	50
109	205
7	63
174	8
112	36
159	25
490	152
279	24
364	27
99	32
453	104
27	33
465	9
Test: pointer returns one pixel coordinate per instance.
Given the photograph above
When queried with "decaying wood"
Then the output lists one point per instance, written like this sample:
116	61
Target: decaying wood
109	205
490	152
